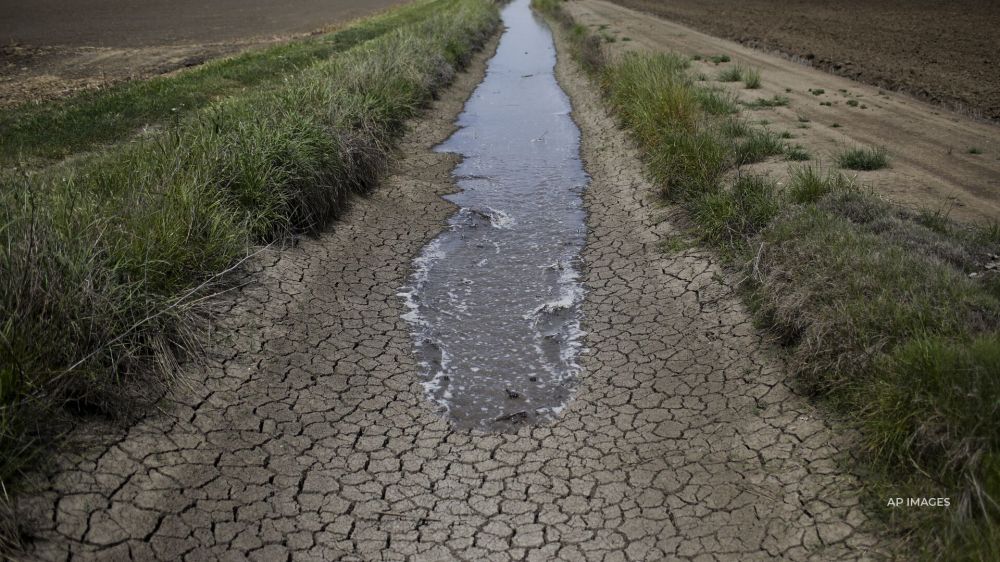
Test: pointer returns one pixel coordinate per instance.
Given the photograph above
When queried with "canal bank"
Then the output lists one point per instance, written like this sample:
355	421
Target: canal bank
308	435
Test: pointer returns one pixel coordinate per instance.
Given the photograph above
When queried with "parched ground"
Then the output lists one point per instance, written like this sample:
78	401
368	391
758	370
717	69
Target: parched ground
932	163
943	51
51	48
306	435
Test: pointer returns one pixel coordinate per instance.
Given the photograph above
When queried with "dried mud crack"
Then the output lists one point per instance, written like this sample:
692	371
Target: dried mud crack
306	434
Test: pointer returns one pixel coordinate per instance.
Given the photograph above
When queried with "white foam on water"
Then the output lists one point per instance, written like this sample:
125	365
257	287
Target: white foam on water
573	289
500	219
570	294
433	386
422	264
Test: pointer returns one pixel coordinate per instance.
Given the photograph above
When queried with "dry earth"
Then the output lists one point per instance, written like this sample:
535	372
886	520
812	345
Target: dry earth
943	51
930	160
306	434
51	48
40	73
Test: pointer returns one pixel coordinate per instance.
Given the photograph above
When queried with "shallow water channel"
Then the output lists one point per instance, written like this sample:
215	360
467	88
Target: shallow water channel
494	301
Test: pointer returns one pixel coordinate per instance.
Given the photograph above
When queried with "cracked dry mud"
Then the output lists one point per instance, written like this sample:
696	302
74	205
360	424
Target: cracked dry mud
306	434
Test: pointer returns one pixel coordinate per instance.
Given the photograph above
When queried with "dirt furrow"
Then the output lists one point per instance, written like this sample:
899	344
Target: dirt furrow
306	434
938	159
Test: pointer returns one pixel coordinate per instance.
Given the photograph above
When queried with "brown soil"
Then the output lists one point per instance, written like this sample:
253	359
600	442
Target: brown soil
51	48
931	159
40	73
943	51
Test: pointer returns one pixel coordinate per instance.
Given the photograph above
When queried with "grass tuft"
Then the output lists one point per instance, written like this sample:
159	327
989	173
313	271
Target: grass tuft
797	153
863	158
735	128
757	146
732	73
730	218
808	184
717	102
767	103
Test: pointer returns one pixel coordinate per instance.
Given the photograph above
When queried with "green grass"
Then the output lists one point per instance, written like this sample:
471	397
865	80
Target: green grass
767	103
975	150
751	78
734	73
719	59
921	394
38	132
863	158
730	218
808	184
110	259
735	128
817	91
877	306
717	102
757	146
797	153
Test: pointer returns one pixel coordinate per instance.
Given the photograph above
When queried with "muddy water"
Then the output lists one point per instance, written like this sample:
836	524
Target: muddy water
494	300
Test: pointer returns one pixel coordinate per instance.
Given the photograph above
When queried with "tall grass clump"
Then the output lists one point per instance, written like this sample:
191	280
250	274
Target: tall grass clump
863	158
729	218
732	73
797	153
757	146
890	316
108	262
808	184
655	98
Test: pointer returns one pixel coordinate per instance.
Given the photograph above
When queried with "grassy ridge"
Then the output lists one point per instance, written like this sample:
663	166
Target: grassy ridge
889	314
106	261
55	129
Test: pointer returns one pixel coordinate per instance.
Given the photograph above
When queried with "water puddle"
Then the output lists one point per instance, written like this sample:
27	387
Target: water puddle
494	303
